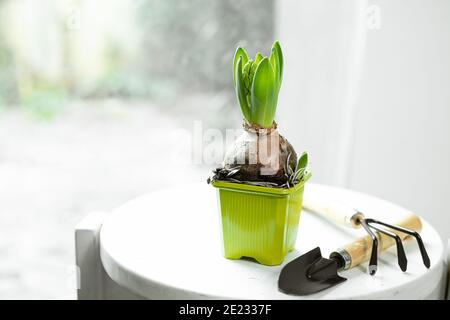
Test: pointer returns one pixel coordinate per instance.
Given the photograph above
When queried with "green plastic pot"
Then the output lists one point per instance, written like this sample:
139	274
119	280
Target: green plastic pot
259	222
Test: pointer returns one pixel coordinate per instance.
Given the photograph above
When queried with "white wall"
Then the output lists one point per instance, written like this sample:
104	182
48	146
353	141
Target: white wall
372	106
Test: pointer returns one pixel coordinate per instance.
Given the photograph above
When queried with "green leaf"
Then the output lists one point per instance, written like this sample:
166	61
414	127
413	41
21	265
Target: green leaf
258	57
301	173
248	72
241	91
263	97
240	52
302	162
276	60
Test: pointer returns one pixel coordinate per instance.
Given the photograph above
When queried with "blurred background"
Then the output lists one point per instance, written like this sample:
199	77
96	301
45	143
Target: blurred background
90	92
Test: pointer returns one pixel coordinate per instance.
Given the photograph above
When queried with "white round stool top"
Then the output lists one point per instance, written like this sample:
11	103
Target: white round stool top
167	245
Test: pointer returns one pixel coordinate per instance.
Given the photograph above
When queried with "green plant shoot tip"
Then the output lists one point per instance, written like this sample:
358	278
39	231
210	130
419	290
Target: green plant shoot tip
259	84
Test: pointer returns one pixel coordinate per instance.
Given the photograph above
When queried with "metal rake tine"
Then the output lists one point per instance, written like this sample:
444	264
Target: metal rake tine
423	251
401	256
373	262
416	235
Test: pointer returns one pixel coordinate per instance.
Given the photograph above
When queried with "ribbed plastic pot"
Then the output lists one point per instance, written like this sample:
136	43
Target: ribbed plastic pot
259	222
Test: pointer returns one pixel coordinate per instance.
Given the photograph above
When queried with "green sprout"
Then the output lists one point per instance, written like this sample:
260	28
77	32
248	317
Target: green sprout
257	83
300	173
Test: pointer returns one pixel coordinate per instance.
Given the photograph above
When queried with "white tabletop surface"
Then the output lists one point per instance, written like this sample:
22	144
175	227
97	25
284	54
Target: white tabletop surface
166	245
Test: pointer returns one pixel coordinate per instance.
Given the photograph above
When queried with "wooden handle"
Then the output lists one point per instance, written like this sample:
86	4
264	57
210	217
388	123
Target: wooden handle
359	250
333	210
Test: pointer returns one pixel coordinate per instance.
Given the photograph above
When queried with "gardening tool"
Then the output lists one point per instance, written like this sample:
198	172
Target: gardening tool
311	273
350	217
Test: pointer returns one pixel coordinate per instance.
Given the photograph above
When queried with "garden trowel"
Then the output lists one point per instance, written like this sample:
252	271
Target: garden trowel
311	273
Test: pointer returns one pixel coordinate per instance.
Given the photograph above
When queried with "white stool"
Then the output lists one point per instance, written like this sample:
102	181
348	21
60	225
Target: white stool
166	245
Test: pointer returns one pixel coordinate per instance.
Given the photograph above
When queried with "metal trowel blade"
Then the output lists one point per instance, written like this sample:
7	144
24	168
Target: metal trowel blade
308	274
